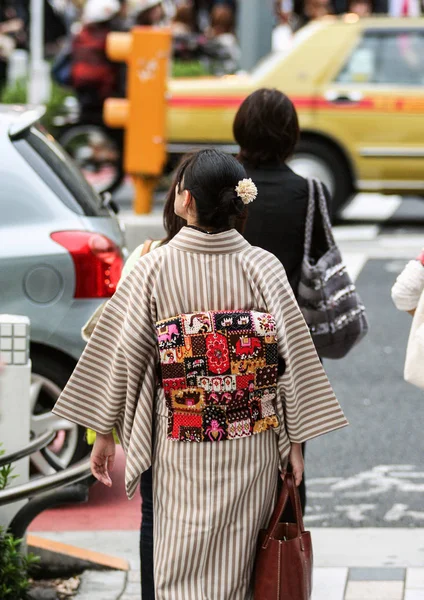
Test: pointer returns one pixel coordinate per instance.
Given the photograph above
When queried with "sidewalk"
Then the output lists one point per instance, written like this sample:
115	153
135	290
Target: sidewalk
350	564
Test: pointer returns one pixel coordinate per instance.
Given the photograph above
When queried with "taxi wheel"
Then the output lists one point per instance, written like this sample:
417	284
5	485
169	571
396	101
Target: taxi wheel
317	159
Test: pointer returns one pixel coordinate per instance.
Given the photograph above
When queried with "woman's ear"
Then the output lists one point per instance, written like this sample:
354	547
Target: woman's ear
187	198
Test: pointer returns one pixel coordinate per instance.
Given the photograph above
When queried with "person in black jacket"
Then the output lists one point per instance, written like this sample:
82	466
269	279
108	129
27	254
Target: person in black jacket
266	128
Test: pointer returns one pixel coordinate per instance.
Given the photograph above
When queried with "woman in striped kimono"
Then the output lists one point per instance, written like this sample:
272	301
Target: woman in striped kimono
204	338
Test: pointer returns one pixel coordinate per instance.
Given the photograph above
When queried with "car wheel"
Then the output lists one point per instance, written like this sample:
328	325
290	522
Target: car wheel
49	377
317	159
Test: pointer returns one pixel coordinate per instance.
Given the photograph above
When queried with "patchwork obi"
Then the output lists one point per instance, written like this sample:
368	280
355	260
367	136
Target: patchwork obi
219	374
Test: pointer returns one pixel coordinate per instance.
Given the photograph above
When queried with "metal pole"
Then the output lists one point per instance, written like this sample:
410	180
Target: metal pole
39	80
35	487
256	21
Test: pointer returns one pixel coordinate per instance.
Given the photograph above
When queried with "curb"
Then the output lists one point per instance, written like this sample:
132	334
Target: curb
60	558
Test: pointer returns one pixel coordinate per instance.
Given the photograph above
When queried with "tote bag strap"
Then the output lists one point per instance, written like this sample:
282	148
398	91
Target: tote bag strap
316	192
289	490
146	247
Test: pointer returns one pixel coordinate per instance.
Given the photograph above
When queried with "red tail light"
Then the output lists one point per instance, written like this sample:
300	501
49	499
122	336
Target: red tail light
98	262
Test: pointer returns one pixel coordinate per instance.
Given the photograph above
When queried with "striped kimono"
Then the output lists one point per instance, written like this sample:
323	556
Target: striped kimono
210	499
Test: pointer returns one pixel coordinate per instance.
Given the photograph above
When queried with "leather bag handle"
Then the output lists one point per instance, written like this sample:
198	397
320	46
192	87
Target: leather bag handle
288	490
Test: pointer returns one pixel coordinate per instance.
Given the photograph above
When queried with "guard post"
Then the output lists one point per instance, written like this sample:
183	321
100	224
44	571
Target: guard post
142	115
15	405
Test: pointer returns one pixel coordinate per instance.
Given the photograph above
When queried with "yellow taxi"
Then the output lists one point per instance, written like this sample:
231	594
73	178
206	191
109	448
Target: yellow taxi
358	86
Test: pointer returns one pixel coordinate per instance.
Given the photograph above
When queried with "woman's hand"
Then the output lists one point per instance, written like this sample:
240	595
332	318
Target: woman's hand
103	458
296	461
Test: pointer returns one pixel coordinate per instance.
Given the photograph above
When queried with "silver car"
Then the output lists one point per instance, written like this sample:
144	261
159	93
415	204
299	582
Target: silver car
61	255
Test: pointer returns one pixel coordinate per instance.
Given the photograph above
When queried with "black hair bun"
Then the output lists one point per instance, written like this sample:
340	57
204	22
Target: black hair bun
229	203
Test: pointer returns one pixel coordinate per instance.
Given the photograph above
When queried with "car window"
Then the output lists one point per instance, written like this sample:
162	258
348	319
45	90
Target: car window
386	57
59	171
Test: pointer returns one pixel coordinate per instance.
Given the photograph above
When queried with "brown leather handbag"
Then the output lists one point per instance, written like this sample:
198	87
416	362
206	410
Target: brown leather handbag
283	568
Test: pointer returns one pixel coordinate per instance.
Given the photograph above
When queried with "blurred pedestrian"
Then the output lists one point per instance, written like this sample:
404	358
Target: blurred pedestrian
404	8
12	34
93	76
409	286
266	128
362	8
222	48
309	10
282	35
208	309
152	13
408	295
184	22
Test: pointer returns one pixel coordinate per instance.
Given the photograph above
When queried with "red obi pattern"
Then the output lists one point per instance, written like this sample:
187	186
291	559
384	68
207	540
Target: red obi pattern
219	374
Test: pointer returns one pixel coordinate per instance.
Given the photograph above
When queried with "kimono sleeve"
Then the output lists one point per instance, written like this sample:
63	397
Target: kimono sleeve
103	390
310	407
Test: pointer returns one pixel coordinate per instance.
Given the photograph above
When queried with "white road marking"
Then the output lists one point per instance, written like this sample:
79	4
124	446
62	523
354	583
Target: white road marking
371	207
378	483
400	511
378	480
355	512
356	233
354	263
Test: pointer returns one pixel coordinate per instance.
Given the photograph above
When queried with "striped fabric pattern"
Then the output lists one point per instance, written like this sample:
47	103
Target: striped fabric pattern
209	499
209	507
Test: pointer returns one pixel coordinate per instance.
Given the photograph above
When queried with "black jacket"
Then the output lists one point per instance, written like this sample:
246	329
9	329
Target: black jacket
277	218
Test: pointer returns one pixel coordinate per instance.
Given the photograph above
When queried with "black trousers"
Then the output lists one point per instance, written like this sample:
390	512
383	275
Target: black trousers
288	514
146	532
146	537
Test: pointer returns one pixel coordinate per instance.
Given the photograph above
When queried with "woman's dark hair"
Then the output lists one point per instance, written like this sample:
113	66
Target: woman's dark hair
172	222
266	128
211	177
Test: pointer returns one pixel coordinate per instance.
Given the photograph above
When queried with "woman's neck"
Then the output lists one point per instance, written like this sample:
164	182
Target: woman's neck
209	230
193	223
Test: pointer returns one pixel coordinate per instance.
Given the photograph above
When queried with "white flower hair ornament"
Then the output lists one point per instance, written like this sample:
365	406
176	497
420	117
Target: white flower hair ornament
246	190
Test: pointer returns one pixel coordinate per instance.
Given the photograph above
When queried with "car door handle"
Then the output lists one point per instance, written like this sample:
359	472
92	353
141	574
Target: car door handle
343	97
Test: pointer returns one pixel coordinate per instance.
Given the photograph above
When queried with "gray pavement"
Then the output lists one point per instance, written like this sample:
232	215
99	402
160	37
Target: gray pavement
376	464
349	564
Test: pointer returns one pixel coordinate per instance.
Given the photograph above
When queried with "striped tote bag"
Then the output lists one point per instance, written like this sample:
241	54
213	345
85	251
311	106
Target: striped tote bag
326	295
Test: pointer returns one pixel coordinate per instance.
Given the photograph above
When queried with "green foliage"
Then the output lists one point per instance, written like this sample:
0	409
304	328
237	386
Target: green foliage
193	68
6	476
14	565
5	473
17	94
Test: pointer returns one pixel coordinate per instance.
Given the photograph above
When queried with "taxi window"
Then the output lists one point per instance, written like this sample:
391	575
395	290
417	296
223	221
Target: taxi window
386	57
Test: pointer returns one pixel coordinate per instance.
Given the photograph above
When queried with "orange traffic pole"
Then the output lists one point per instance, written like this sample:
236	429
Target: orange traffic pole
144	188
143	113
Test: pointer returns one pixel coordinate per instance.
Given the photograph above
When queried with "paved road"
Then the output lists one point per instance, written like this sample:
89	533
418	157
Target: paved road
372	473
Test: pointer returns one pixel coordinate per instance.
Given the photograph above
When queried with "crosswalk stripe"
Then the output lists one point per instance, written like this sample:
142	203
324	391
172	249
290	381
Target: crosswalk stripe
371	207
